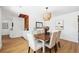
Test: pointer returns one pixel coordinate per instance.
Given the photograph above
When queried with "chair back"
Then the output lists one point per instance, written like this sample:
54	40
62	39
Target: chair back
53	38
31	39
58	36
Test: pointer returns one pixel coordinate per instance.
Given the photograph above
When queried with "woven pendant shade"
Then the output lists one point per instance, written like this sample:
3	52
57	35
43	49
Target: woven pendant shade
47	15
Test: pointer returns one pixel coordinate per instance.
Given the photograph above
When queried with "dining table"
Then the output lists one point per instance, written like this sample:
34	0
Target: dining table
43	37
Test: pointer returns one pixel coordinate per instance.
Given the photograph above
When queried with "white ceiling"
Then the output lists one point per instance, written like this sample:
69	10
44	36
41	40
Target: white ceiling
57	10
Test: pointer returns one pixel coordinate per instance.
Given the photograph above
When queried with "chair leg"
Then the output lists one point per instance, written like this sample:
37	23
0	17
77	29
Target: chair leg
41	49
50	50
29	50
55	48
34	51
59	45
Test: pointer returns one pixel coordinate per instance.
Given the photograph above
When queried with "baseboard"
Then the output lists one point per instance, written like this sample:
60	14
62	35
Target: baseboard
71	40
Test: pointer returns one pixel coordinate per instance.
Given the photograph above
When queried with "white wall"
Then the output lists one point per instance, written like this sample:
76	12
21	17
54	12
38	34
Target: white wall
7	17
36	15
70	31
0	30
18	27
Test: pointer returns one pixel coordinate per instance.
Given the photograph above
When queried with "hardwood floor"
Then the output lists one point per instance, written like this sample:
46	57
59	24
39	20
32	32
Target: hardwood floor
14	45
20	45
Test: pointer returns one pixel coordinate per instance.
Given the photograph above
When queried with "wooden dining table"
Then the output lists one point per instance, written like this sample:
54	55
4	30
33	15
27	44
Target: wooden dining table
43	38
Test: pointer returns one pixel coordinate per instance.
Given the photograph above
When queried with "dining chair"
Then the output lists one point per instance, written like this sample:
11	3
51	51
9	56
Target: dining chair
51	44
58	39
33	43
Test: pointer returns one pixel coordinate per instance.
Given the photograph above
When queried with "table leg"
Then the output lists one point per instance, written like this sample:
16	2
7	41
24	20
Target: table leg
43	46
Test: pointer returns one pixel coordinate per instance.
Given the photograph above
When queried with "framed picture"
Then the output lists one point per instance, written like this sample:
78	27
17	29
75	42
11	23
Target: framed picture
4	25
60	25
39	24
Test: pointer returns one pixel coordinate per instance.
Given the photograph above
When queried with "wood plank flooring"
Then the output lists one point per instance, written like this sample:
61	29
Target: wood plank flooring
20	45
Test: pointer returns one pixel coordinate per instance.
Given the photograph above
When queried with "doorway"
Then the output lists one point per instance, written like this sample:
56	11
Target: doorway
26	21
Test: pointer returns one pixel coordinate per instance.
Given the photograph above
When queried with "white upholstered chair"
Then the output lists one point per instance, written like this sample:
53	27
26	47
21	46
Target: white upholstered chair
58	39
33	43
51	43
54	40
